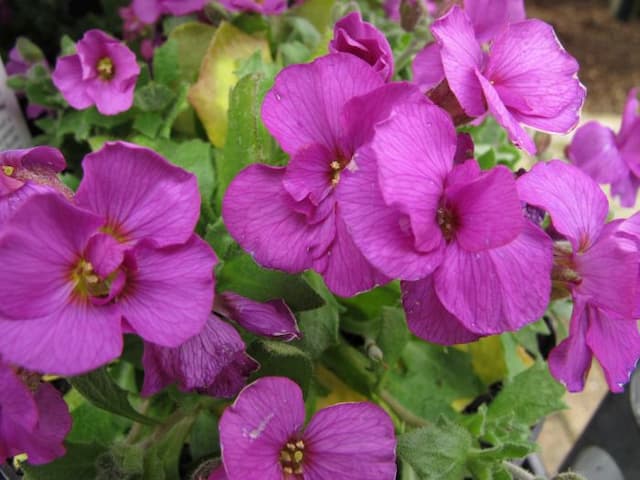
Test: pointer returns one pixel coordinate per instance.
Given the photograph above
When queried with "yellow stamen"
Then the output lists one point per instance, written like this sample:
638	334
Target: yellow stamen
105	68
8	170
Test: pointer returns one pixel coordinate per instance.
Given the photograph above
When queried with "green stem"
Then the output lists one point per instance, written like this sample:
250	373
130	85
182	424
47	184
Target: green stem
403	413
518	473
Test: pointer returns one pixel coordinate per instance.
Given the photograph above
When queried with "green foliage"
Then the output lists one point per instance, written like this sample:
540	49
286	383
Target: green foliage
242	275
99	388
436	452
80	461
492	146
283	360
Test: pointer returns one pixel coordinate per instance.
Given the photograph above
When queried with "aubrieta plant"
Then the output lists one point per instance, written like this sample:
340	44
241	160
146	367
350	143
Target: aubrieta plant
311	240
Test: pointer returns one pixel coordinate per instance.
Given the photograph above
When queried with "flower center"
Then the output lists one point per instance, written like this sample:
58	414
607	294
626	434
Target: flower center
336	168
291	457
87	282
31	379
105	68
564	276
8	170
447	221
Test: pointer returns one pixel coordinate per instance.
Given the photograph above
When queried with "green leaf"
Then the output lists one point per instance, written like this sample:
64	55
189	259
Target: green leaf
209	96
352	367
192	39
281	360
243	276
317	12
79	462
92	424
29	50
165	60
319	326
204	440
531	395
148	123
430	378
394	334
436	452
218	237
169	448
195	157
153	97
248	140
99	388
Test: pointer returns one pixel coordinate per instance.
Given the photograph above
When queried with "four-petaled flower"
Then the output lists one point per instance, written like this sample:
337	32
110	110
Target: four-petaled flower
103	73
262	437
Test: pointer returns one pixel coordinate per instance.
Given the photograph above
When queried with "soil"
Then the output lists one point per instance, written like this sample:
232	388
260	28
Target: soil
608	50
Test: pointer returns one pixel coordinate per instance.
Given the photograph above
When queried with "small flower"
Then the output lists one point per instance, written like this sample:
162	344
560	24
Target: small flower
34	418
150	11
20	64
262	437
26	172
612	158
264	7
213	362
525	77
365	41
103	73
289	217
123	259
455	234
595	264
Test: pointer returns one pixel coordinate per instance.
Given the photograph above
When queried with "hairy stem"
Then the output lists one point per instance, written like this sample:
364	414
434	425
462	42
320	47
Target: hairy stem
403	413
518	473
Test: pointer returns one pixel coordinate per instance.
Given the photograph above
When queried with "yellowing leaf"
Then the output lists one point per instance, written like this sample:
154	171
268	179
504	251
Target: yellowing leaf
340	391
487	358
210	94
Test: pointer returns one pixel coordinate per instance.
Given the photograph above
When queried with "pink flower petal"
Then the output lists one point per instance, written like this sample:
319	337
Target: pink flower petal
570	361
344	268
577	206
615	343
39	247
350	441
427	67
594	150
271	319
461	56
382	233
266	415
490	17
140	194
630	116
67	77
147	11
169	295
305	103
414	150
503	116
309	174
199	363
19	412
261	217
534	75
487	209
54	423
428	319
484	290
74	339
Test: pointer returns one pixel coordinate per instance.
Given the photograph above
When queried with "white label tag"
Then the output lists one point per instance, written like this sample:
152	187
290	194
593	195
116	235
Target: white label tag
13	129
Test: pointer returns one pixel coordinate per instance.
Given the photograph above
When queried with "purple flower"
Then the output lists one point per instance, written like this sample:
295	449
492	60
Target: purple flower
488	18
289	217
610	158
103	73
150	11
26	172
212	362
597	266
270	319
526	77
454	234
262	437
365	41
264	7
33	417
125	259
